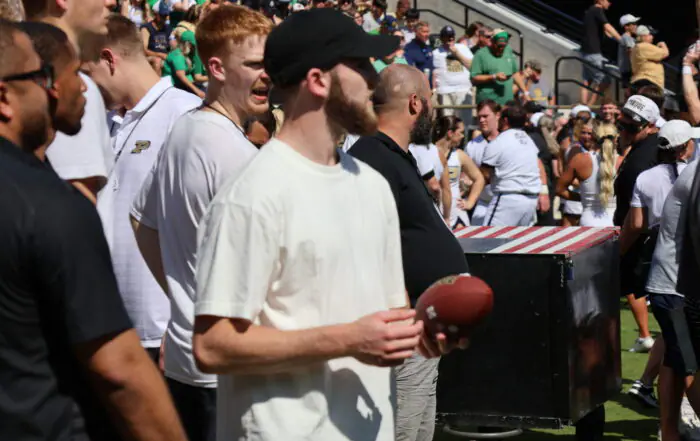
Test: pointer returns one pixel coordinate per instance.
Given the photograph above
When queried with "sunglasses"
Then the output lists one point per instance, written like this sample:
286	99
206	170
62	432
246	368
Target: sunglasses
629	127
44	77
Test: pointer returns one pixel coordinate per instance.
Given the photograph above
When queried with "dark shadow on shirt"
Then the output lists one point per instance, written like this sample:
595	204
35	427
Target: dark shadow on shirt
348	163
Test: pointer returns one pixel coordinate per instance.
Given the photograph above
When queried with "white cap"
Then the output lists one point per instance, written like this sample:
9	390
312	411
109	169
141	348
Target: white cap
641	109
535	119
642	31
628	18
580	108
676	133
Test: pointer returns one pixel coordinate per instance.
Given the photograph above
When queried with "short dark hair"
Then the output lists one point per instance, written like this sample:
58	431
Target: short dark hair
34	9
491	104
50	42
381	4
654	93
443	125
413	14
516	116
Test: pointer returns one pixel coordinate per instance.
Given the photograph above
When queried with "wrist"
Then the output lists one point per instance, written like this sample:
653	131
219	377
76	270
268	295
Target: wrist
544	190
687	69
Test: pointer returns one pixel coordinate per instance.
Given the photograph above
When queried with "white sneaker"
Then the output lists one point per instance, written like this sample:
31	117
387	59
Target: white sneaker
642	345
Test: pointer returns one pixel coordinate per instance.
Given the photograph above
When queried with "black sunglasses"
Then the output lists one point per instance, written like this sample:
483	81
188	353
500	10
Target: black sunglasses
629	127
44	77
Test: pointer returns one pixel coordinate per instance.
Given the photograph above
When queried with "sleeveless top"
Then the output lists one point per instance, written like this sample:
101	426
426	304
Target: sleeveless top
158	40
454	170
590	188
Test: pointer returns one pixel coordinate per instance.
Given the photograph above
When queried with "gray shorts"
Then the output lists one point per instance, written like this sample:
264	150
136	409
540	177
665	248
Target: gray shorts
416	390
595	76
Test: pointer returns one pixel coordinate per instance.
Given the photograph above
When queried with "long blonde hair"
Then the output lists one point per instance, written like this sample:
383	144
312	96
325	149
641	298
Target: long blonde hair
607	134
547	128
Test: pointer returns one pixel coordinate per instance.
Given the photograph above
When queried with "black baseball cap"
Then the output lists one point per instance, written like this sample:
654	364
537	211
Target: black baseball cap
319	38
447	32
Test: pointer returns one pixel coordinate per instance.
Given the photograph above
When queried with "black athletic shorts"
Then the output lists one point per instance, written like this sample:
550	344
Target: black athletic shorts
692	317
679	354
629	283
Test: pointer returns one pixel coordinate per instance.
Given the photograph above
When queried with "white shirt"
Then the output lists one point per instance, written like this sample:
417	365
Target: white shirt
513	155
87	154
475	150
427	159
369	23
652	187
204	150
137	142
452	75
315	246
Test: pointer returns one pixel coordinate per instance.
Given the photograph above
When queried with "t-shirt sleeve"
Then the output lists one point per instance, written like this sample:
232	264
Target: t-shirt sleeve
394	285
637	195
74	270
602	19
477	65
177	62
425	166
145	206
237	259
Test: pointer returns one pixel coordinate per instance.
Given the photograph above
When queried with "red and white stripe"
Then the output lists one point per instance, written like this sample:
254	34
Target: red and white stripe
539	240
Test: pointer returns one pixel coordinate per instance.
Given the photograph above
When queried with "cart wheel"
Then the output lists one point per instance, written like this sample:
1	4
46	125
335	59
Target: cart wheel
472	435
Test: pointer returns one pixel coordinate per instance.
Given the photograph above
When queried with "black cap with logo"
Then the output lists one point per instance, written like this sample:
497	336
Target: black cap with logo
447	32
319	38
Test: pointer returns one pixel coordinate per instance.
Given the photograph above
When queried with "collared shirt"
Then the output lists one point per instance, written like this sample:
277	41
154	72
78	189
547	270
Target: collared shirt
136	141
57	291
420	55
429	249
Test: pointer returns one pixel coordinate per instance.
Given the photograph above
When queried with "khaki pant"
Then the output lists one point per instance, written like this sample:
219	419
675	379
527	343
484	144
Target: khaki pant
416	390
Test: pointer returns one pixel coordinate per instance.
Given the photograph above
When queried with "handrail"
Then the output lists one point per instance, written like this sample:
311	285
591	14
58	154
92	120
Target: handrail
468	8
612	74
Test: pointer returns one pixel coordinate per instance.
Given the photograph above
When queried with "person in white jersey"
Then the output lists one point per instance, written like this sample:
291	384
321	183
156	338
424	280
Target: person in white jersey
206	148
431	166
301	344
594	169
510	163
84	159
151	106
679	365
488	115
449	134
452	62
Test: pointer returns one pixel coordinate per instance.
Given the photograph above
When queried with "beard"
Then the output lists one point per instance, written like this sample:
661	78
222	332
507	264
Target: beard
423	128
347	115
35	131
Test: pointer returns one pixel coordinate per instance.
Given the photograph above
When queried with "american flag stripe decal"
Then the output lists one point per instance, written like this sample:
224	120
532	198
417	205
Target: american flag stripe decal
538	240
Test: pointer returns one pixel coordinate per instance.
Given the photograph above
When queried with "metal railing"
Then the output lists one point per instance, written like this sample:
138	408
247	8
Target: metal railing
609	73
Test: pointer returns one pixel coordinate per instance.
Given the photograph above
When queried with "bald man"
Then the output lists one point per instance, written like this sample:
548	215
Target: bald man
429	249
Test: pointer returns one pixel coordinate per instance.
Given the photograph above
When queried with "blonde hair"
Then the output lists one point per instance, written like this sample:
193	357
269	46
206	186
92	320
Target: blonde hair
608	157
547	128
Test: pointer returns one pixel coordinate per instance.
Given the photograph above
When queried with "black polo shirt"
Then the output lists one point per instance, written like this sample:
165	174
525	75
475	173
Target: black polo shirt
429	249
641	157
57	290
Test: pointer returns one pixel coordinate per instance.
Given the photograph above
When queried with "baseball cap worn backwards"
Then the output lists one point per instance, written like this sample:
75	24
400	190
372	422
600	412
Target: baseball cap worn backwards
677	133
628	18
322	39
641	109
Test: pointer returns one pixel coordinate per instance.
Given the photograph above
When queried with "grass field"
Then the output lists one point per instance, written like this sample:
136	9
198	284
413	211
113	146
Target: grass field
626	419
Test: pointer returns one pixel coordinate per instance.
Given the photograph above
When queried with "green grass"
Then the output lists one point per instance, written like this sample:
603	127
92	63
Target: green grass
626	419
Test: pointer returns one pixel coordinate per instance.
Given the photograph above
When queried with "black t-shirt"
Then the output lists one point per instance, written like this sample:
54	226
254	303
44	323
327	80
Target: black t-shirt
593	22
544	154
642	156
57	290
429	249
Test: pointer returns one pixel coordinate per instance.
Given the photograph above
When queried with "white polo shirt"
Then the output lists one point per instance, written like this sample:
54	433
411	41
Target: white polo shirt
314	246
475	150
513	155
652	187
204	150
89	153
452	75
137	141
427	159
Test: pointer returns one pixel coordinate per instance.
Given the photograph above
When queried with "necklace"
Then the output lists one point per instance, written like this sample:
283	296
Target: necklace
209	106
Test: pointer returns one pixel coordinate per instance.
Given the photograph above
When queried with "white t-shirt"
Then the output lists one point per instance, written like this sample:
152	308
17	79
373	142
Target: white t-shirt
652	187
315	246
452	75
89	153
137	142
427	159
663	274
475	150
513	155
204	150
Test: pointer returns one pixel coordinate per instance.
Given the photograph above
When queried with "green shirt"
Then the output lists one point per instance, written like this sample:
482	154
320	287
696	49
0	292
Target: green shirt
175	61
380	65
485	63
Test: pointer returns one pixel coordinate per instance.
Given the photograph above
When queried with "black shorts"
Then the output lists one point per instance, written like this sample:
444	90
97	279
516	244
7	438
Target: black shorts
679	354
692	318
629	283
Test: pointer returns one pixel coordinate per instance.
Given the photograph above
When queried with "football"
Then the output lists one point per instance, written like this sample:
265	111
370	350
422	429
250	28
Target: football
455	305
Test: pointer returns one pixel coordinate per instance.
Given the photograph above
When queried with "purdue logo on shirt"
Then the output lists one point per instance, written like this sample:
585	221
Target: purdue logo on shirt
140	147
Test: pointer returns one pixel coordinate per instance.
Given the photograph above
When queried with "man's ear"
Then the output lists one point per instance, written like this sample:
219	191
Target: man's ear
318	82
6	111
414	104
108	56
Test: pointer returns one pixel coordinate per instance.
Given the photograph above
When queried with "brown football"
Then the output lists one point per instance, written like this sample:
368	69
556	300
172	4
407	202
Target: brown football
455	305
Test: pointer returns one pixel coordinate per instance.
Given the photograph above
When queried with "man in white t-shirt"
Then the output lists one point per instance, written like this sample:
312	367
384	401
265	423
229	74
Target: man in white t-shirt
430	166
300	341
511	165
205	149
84	159
452	62
151	106
488	113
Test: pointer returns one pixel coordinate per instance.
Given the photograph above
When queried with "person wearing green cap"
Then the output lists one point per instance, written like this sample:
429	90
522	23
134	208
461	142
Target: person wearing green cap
494	70
181	62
